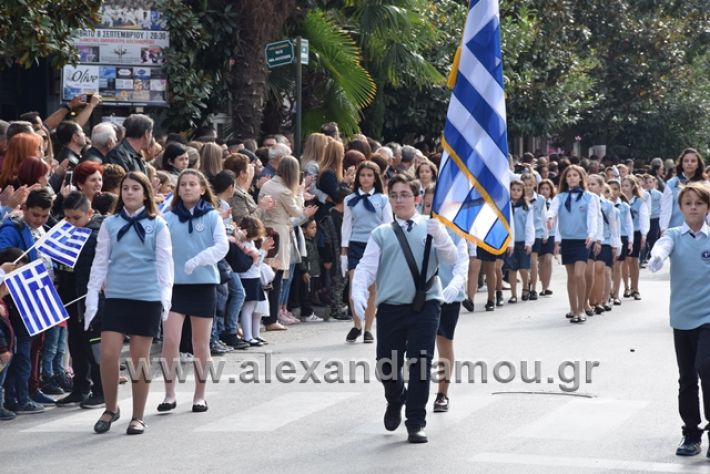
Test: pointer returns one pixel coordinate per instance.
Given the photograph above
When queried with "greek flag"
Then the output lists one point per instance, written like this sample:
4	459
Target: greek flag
63	243
36	298
472	193
164	206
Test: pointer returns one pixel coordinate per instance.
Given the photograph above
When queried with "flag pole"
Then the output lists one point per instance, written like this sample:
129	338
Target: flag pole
40	240
74	301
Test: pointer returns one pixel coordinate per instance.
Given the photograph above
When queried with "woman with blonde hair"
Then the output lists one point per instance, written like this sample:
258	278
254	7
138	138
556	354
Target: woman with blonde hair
211	160
330	176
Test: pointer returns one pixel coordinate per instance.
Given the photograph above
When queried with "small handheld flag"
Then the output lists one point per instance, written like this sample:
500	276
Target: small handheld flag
63	243
36	298
472	193
164	206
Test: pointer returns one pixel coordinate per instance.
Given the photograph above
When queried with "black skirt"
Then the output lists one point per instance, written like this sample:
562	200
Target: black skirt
199	301
132	317
253	289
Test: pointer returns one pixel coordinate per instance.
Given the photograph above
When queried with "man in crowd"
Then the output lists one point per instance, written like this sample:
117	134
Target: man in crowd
139	133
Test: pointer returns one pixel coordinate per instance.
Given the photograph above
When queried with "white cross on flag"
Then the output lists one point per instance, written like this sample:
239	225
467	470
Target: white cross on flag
36	298
63	243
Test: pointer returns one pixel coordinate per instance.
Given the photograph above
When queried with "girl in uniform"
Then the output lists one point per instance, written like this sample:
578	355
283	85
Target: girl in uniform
133	253
576	211
689	169
654	231
626	233
546	189
640	216
610	243
519	261
539	210
199	242
364	210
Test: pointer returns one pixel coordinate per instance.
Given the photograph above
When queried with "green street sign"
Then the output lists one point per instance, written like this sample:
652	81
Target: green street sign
279	53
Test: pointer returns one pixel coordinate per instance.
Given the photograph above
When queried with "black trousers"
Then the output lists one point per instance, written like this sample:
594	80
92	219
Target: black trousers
692	348
87	375
400	330
273	296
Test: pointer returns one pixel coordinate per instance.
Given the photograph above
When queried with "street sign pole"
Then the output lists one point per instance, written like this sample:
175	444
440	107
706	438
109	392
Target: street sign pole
299	95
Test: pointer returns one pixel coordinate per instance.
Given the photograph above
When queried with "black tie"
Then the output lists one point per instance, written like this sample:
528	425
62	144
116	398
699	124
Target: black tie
410	223
133	222
691	234
365	198
568	201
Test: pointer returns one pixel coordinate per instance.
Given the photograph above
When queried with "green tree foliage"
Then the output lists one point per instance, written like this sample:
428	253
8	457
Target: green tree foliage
34	29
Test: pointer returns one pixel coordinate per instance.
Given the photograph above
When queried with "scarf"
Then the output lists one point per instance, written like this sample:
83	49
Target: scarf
184	215
365	198
568	202
132	222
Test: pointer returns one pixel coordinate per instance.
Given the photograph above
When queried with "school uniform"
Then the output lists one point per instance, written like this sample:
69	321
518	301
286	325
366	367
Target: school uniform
654	231
134	260
689	255
639	216
200	241
577	214
523	235
453	281
362	212
539	208
609	236
626	230
399	327
670	215
549	246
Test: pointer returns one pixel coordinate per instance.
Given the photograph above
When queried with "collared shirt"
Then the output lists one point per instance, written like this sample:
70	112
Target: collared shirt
347	227
664	246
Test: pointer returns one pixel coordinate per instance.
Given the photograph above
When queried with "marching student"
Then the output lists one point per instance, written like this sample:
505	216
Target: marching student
639	215
689	169
524	238
603	261
453	282
576	211
539	210
654	231
72	283
626	233
365	209
688	248
407	311
133	252
199	242
546	189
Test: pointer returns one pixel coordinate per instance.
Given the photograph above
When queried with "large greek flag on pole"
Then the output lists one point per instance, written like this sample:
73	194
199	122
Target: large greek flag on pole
472	191
63	243
36	298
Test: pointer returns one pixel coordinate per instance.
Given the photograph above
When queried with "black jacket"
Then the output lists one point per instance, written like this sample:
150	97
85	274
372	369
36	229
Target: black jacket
126	157
93	154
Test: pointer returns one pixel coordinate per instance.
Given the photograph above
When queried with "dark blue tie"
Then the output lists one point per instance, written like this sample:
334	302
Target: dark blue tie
410	223
132	222
570	192
365	198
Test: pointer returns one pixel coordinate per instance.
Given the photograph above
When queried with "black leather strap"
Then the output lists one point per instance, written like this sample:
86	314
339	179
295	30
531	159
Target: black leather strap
407	251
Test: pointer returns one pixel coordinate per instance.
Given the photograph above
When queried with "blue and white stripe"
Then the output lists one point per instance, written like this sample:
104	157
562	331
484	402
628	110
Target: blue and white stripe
36	298
472	193
63	243
164	206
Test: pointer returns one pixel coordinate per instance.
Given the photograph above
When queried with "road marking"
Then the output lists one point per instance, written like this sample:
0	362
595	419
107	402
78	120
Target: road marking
279	412
584	419
462	406
588	463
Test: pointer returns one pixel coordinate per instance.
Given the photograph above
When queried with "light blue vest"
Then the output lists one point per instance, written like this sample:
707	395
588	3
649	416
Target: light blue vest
187	245
520	215
446	271
540	209
394	281
624	210
365	221
573	224
655	203
132	266
608	213
690	273
676	216
636	203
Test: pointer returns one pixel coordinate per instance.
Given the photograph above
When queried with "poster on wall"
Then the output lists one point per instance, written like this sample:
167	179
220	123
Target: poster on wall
122	60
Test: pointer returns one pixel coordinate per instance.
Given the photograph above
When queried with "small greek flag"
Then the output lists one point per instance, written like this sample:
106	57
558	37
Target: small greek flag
63	243
164	206
36	298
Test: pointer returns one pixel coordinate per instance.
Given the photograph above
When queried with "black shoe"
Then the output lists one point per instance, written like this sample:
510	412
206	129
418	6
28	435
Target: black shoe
353	334
606	307
94	401
546	292
417	435
441	404
490	305
513	300
199	408
533	295
367	338
499	298
617	302
216	350
599	309
51	388
72	398
167	406
262	341
636	295
526	295
102	426
341	316
689	446
232	340
135	427
393	416
65	382
627	293
468	304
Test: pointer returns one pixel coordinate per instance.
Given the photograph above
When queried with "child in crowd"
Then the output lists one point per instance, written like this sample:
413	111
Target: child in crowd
309	269
539	210
524	238
640	218
104	203
688	248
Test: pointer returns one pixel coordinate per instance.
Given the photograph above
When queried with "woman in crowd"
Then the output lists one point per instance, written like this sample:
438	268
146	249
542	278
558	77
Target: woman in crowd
175	158
211	160
88	178
19	148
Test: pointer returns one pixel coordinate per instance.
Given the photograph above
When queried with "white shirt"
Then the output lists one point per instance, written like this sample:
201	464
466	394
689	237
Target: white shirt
593	214
346	229
254	271
366	271
644	218
163	257
664	246
460	270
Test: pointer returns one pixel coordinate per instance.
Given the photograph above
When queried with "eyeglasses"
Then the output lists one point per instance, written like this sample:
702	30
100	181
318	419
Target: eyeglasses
400	196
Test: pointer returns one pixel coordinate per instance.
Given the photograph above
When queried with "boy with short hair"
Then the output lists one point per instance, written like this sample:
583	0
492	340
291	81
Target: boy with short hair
309	269
407	314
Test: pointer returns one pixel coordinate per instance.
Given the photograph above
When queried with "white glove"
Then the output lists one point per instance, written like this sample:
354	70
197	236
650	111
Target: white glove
655	263
344	265
190	266
166	310
450	294
359	306
92	306
436	230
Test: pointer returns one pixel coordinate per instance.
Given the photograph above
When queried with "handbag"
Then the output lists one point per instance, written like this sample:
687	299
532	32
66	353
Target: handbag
266	274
